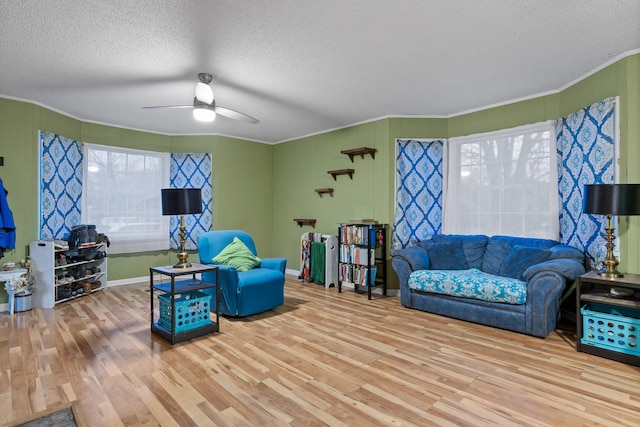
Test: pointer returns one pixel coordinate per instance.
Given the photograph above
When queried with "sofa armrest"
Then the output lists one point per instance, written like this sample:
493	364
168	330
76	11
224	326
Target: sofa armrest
406	261
279	264
416	256
542	308
227	275
567	267
545	284
229	289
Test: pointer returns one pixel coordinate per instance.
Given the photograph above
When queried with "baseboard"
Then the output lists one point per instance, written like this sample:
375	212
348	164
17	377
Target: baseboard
350	287
375	291
128	281
294	273
4	307
157	278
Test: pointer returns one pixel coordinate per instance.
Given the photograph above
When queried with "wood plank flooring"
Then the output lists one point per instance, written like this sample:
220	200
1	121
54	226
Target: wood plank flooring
321	359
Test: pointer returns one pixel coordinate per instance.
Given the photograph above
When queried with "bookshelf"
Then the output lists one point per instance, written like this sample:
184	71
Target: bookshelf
362	256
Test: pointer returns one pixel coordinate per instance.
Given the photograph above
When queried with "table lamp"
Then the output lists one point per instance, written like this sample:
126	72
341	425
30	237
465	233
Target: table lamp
181	201
609	200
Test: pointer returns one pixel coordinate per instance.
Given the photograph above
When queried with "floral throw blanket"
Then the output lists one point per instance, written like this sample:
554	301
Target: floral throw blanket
471	283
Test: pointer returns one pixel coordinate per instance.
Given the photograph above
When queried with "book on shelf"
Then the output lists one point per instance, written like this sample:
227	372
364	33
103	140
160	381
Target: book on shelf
358	234
356	255
358	275
366	279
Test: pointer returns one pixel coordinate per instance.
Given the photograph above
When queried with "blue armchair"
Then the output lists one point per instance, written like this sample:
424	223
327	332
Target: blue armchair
242	292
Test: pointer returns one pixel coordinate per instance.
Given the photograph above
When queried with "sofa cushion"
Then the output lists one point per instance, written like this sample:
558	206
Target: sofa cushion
238	255
446	256
497	250
532	242
473	246
565	251
521	258
499	247
471	283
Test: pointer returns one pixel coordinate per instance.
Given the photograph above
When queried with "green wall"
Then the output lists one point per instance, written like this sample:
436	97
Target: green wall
301	165
619	79
242	172
262	188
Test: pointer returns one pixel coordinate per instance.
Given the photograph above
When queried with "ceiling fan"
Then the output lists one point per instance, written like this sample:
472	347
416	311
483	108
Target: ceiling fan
204	104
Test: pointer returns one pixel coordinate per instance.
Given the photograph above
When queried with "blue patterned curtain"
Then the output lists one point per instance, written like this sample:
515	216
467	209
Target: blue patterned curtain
60	185
419	177
585	156
192	170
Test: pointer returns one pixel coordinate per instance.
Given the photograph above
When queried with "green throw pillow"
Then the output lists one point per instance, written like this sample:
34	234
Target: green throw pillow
238	255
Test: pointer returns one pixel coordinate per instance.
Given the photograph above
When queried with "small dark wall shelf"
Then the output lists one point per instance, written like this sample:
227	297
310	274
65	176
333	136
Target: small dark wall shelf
305	221
362	151
337	172
322	191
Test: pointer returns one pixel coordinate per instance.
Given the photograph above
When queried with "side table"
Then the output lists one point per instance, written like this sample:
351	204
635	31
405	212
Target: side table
608	325
169	326
6	276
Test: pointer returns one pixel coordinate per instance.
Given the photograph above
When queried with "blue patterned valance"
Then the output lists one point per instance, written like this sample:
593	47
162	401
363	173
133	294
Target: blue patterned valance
419	176
586	156
60	185
192	170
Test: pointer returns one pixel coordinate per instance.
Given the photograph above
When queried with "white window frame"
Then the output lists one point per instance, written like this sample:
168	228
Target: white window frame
482	195
121	196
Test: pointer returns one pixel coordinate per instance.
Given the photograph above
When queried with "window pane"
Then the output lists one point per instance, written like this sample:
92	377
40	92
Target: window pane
506	180
121	196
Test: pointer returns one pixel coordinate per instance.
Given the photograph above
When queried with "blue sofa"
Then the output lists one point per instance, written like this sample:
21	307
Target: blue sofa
243	292
513	283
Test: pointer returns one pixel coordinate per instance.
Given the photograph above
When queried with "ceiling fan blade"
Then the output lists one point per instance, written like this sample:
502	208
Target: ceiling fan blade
204	102
236	115
170	106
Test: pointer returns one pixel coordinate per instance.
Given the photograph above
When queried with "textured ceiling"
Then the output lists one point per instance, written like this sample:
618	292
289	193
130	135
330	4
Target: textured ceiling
300	66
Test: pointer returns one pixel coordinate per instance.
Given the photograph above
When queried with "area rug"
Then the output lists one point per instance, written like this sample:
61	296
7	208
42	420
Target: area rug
62	418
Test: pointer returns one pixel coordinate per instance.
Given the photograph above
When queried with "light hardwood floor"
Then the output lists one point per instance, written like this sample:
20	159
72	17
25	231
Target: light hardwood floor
321	359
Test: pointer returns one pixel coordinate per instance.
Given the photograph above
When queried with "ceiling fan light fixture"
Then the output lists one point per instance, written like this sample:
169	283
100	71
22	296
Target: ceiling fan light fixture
204	93
203	114
204	105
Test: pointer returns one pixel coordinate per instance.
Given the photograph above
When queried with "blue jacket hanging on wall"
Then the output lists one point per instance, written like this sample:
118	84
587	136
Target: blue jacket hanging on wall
7	226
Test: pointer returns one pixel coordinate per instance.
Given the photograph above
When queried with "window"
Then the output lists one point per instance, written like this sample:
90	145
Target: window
121	196
504	183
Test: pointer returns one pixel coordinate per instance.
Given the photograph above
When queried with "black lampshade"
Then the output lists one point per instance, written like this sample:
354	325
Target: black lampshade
180	201
612	199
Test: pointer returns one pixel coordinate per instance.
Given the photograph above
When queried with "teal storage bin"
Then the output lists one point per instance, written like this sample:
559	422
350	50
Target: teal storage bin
611	328
192	311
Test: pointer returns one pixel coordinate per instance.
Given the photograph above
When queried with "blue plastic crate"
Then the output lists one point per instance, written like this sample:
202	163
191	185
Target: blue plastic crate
192	311
611	328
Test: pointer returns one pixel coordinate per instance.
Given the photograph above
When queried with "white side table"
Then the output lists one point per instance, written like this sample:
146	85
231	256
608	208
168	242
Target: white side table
5	276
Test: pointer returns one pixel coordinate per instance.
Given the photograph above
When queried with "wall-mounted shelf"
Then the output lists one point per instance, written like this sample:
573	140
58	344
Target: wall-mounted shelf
337	172
305	221
322	191
362	151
